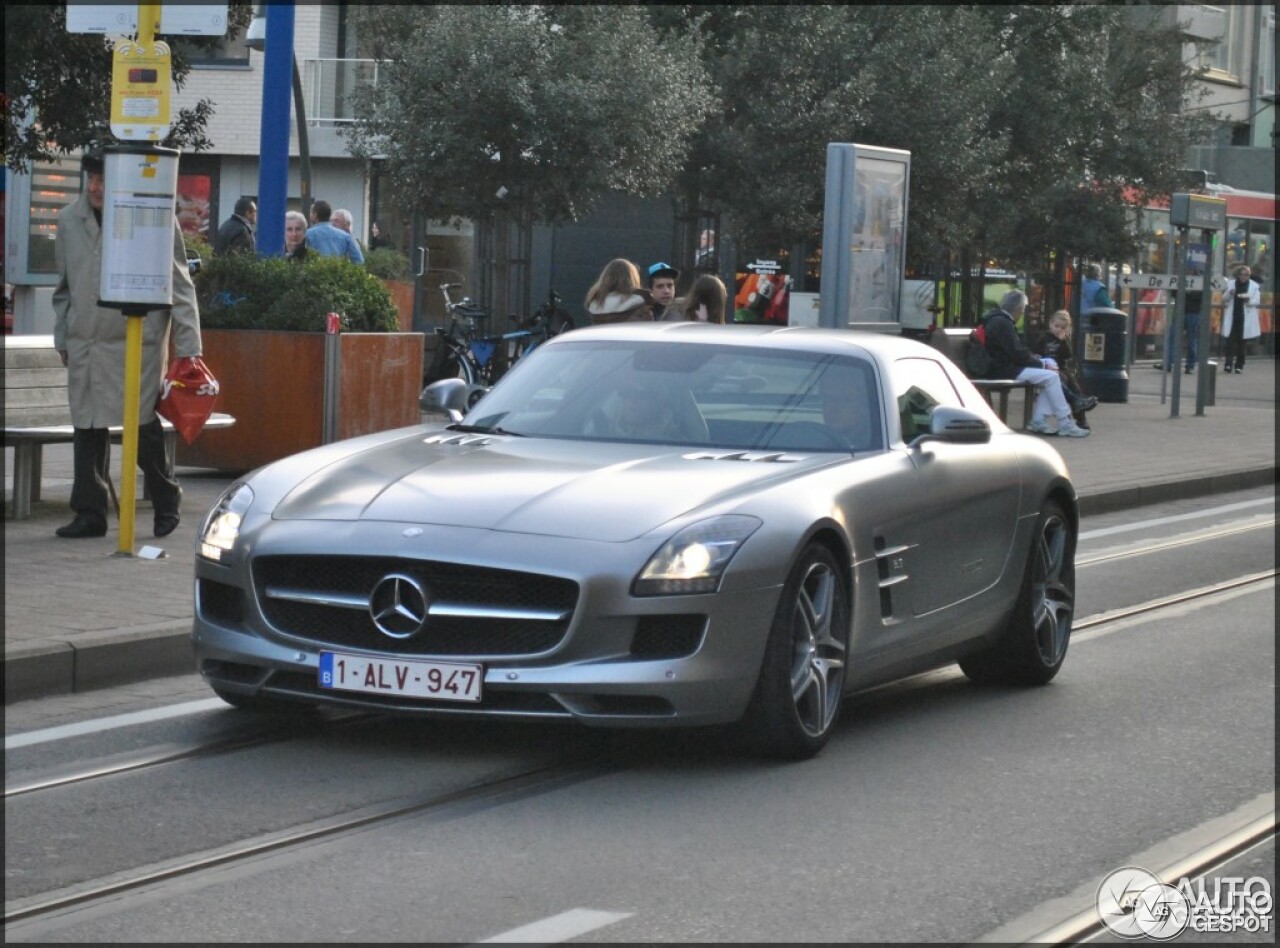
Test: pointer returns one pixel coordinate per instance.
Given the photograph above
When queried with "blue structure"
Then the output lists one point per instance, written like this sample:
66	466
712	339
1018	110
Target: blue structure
273	168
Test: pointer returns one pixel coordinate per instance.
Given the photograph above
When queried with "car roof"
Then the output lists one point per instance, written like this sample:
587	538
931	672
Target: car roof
883	345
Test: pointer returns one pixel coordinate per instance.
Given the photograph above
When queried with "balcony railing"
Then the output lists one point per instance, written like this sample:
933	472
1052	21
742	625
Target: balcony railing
327	85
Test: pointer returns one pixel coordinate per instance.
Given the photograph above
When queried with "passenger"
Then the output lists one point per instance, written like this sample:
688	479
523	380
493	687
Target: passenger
705	302
1013	360
1055	343
616	296
295	236
662	287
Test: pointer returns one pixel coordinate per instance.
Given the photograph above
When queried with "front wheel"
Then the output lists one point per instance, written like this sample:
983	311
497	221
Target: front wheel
1033	646
800	691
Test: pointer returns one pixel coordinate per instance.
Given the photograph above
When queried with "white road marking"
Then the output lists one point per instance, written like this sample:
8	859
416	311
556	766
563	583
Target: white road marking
116	721
560	927
1178	518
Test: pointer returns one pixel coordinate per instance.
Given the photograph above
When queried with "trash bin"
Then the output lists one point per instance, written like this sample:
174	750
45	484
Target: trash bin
1102	351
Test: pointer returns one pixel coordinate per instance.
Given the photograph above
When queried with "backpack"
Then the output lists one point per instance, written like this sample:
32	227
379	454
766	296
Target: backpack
977	360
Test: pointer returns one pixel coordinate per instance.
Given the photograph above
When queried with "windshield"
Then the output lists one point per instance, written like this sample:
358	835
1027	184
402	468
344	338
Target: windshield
686	394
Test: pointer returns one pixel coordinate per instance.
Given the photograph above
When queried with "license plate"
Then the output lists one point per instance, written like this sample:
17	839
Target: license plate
443	681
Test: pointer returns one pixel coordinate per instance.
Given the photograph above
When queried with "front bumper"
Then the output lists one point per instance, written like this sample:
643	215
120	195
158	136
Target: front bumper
603	670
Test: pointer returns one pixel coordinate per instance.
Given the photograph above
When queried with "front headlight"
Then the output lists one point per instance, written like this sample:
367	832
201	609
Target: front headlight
695	558
222	526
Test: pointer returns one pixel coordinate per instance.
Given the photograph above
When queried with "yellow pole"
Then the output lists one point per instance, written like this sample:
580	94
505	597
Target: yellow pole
129	442
148	17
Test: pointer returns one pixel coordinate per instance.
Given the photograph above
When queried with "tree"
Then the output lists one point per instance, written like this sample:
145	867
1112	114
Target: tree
550	106
524	113
1096	106
57	86
795	78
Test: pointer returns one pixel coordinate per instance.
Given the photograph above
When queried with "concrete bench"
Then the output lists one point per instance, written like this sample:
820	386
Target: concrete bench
36	413
952	343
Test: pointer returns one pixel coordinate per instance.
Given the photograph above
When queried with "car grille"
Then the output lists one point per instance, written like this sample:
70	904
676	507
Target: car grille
473	610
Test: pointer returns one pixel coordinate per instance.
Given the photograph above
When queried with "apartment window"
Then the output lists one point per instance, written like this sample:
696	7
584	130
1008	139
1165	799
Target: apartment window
1228	54
1267	65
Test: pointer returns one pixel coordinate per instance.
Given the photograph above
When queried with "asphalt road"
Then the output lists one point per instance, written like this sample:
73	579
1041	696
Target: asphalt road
941	811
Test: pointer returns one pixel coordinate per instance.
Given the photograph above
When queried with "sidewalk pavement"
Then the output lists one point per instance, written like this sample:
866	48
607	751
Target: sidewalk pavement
78	618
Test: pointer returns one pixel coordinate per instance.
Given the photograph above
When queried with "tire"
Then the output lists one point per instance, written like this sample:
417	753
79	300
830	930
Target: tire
1033	646
798	696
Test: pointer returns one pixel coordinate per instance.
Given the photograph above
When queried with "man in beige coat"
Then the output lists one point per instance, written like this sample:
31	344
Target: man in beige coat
91	341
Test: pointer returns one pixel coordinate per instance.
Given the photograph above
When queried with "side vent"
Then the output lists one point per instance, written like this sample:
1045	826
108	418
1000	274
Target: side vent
891	571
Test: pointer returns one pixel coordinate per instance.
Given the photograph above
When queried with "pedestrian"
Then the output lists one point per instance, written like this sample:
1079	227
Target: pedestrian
1239	318
330	241
295	236
1093	292
705	302
616	296
91	341
705	257
1013	360
662	287
1055	342
236	233
378	239
1191	327
343	220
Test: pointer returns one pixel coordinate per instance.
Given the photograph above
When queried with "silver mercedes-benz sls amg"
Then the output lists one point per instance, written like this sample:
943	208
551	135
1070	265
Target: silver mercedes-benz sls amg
652	525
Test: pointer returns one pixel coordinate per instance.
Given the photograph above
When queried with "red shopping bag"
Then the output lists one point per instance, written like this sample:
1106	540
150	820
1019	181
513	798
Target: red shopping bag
187	396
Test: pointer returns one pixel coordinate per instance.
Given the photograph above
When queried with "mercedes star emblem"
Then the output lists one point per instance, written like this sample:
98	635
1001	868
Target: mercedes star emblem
398	606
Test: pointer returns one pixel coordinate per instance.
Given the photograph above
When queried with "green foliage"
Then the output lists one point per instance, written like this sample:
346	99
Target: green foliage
387	264
58	86
553	106
244	291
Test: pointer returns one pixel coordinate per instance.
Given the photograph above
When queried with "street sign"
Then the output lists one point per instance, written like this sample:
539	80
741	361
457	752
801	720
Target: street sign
1198	210
141	78
1158	281
121	19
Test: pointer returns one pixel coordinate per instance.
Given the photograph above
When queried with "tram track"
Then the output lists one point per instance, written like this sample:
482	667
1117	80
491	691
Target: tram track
508	788
168	754
495	792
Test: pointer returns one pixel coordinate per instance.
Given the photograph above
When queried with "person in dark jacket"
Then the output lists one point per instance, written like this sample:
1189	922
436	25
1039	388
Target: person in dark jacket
1010	359
236	233
1055	342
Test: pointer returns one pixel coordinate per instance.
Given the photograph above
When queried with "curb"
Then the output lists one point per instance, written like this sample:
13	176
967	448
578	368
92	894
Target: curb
97	660
125	656
1159	492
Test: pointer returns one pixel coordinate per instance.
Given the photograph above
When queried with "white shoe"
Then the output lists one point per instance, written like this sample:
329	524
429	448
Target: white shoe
1039	426
1069	429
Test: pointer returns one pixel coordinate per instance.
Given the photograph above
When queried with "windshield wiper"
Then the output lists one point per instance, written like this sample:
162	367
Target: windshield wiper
483	429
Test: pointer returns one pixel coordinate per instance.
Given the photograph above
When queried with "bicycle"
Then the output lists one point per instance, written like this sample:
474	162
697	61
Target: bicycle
470	355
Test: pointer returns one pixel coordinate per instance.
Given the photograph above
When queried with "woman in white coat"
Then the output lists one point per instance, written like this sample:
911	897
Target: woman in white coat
1239	318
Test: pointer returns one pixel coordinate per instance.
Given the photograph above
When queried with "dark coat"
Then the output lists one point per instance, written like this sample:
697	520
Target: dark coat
235	235
1008	354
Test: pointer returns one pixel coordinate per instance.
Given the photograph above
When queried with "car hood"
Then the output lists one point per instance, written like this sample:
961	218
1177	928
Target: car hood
587	490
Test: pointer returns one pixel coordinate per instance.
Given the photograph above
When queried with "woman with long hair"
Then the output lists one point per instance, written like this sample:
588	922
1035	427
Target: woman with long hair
616	296
706	300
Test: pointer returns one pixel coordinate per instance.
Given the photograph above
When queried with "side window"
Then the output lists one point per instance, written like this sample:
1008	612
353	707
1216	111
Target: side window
920	386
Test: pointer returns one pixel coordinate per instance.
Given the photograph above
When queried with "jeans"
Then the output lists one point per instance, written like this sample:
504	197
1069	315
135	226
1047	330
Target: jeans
1049	397
1193	342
